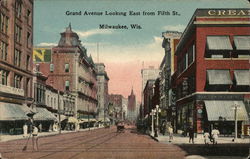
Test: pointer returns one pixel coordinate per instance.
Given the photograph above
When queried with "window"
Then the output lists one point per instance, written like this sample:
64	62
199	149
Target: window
17	81
186	61
27	87
67	85
18	9
4	23
28	17
18	33
218	45
191	54
3	50
51	67
66	67
27	62
28	40
17	57
4	77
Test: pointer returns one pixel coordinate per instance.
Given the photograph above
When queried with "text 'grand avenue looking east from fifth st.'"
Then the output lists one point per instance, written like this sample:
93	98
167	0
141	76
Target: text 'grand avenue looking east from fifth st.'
122	13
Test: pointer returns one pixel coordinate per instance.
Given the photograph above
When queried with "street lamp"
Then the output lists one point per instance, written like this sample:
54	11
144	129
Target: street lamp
152	125
158	110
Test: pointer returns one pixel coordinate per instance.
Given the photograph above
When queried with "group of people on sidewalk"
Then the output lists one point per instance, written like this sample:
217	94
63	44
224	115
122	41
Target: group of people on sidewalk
208	137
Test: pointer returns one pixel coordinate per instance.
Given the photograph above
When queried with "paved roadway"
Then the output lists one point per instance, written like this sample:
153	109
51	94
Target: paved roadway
95	144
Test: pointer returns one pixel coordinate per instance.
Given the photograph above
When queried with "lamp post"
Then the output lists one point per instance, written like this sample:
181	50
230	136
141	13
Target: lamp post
152	125
158	110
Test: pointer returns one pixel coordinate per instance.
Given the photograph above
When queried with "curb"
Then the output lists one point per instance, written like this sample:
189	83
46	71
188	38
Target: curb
154	138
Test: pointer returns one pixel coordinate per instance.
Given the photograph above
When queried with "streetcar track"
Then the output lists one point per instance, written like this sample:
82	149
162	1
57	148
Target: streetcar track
75	145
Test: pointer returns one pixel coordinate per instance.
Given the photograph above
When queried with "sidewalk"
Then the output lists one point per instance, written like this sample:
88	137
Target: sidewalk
177	139
4	138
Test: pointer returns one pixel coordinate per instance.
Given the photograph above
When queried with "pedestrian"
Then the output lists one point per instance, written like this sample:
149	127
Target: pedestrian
40	127
191	134
25	130
206	138
170	131
35	138
215	133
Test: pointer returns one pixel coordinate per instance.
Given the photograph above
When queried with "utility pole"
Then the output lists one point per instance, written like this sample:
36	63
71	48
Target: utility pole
235	107
59	111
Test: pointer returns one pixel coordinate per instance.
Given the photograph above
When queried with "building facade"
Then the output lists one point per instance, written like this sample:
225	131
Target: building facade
102	94
132	110
212	75
168	67
73	72
148	93
16	43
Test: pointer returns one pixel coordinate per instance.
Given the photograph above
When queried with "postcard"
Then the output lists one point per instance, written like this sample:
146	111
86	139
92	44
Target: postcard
121	79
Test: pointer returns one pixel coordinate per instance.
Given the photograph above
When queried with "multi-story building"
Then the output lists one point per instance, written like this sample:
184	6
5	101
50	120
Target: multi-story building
168	67
73	71
213	71
148	93
132	110
125	108
16	33
102	94
115	108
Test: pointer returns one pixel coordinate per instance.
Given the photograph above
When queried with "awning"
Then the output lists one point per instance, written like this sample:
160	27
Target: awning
219	77
242	77
220	108
219	43
242	42
43	114
10	111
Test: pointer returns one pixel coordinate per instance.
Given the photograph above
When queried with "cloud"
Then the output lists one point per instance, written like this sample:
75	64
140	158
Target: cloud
86	34
178	27
47	44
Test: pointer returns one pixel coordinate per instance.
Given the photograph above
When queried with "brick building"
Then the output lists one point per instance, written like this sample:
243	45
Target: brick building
213	71
73	71
16	33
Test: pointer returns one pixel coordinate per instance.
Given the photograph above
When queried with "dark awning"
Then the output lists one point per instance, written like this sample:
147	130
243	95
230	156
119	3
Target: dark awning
242	77
10	111
219	77
43	114
219	43
220	108
242	42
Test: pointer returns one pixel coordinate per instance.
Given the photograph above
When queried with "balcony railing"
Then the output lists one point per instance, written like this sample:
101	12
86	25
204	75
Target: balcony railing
11	90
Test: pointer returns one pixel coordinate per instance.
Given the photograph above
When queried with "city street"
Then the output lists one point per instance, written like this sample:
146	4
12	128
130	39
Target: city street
100	143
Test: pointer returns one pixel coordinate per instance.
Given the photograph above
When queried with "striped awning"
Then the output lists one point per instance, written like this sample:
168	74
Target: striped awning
242	77
242	42
225	109
219	43
219	77
12	112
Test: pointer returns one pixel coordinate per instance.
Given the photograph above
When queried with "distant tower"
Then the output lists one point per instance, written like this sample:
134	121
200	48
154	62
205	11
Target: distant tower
132	106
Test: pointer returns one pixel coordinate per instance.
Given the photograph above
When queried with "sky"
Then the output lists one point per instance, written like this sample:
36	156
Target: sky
123	51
